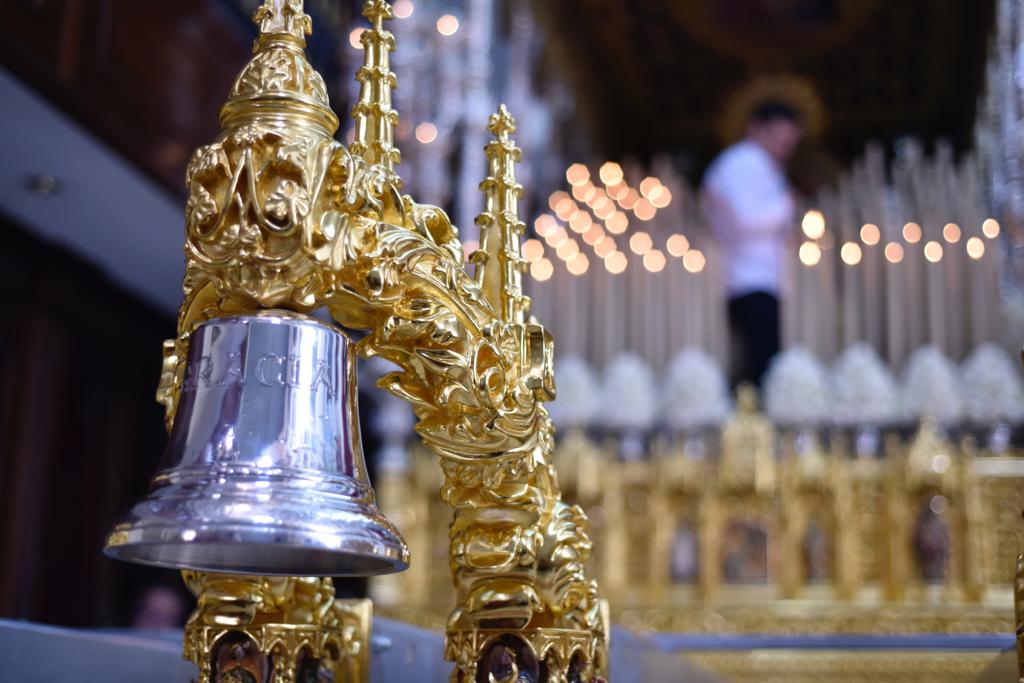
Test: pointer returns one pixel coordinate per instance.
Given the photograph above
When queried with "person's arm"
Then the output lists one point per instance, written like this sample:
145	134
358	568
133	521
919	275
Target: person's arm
756	203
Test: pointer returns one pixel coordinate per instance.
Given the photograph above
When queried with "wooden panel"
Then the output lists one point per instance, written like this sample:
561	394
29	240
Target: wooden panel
161	71
148	77
34	31
80	434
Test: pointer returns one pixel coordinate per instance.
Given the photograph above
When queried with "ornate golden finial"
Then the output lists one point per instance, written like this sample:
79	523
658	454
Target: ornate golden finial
499	262
283	17
501	124
375	119
376	11
279	81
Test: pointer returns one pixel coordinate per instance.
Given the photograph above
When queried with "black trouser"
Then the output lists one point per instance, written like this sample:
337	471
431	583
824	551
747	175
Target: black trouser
754	320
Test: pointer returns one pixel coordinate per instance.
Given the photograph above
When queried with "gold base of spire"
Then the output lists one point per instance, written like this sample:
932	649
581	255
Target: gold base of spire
282	630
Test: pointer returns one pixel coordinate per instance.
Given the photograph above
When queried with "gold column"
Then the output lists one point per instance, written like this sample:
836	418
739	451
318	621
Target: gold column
847	529
897	525
375	119
524	600
792	527
977	542
1018	608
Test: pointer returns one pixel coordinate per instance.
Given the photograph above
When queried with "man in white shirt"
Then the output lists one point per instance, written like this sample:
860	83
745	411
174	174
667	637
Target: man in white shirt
751	208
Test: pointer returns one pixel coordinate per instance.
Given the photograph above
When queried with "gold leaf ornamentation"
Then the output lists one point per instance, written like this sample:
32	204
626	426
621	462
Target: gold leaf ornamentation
289	201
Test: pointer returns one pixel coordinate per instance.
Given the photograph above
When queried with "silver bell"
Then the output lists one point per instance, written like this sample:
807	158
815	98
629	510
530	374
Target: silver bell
264	470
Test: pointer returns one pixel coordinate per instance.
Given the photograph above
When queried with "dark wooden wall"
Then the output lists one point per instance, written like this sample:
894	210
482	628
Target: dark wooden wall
80	432
150	76
147	76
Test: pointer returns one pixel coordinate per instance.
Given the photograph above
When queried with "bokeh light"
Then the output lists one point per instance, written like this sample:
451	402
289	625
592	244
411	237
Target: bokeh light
354	37
813	224
584	191
894	252
542	270
581	222
851	253
556	197
990	228
951	233
567	249
610	173
648	184
644	210
593	234
447	25
533	250
557	237
810	254
677	245
912	233
577	174
605	210
975	247
605	246
578	264
870	234
661	199
566	209
616	262
617	223
545	224
640	243
619	190
654	261
694	260
426	132
629	200
403	9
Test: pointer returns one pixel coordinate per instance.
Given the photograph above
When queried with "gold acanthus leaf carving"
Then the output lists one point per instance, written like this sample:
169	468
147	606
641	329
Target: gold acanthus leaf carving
278	70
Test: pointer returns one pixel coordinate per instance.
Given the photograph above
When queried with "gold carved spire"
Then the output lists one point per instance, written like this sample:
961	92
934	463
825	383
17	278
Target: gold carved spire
375	119
283	17
278	81
499	261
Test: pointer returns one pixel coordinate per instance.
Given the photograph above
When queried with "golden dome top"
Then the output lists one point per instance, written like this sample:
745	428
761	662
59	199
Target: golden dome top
279	79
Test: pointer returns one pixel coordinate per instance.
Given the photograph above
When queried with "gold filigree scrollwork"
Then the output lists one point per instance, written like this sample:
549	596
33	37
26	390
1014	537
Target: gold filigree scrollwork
280	215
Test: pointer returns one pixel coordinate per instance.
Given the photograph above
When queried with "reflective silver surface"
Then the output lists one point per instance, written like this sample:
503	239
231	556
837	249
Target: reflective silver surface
264	471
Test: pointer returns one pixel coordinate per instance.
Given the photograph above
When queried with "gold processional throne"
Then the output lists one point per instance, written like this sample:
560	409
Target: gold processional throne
283	220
